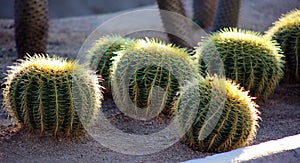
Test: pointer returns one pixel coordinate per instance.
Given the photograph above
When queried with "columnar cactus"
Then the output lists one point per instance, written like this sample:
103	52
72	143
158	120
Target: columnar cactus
204	12
101	55
248	58
223	118
31	26
52	95
227	14
286	31
176	27
149	71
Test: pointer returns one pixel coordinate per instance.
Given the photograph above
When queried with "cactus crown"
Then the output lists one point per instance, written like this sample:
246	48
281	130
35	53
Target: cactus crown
286	31
248	58
243	36
289	19
52	95
45	64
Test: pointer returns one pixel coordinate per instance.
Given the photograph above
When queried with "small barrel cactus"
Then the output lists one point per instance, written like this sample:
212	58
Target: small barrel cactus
223	118
147	71
248	58
286	31
52	95
101	55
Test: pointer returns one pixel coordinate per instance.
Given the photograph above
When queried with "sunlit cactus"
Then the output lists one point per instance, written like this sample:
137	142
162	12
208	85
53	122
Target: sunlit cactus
52	95
248	58
147	77
101	55
216	115
286	31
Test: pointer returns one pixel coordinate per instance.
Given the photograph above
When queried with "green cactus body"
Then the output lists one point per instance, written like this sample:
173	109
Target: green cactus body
248	58
147	70
101	54
286	31
225	117
52	95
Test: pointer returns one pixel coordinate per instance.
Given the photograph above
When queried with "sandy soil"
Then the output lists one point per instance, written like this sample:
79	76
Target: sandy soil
280	113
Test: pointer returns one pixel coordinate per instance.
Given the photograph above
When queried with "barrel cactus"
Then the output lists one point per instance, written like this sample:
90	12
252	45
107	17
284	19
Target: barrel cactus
286	31
147	71
248	58
223	118
101	55
52	95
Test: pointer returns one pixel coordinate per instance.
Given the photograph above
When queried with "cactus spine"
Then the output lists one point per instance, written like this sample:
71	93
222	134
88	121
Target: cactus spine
52	95
286	31
225	117
248	58
150	69
102	53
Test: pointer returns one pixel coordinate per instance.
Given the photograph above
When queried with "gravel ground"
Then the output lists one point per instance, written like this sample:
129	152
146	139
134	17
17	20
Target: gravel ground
280	113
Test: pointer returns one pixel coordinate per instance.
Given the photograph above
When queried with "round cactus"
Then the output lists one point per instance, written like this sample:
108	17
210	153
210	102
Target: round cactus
248	58
52	95
223	118
147	71
286	31
102	53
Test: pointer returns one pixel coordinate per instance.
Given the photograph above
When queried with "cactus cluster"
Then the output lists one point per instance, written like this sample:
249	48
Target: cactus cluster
101	55
147	71
51	95
286	31
216	115
248	58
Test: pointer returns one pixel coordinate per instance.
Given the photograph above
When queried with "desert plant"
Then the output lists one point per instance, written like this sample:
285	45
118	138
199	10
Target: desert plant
31	26
101	55
150	69
204	12
248	58
286	31
227	14
216	115
176	26
52	95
